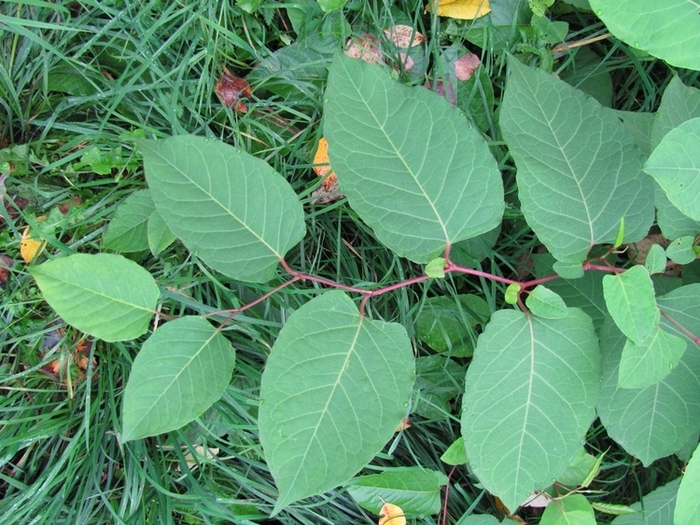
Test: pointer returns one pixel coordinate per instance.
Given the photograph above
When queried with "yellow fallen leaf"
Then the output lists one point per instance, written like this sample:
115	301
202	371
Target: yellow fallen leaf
29	247
461	9
391	515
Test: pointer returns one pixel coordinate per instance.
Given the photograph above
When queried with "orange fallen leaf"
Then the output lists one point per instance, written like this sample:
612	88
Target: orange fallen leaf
29	247
461	9
231	89
391	515
328	191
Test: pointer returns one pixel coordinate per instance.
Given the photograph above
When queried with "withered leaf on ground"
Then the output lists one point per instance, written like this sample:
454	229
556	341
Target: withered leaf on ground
329	189
231	89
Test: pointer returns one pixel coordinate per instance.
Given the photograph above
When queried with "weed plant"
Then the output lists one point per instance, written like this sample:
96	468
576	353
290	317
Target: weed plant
77	81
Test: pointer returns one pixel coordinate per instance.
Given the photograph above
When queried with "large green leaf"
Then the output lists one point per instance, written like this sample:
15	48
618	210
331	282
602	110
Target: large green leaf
409	162
655	421
228	207
675	164
656	508
180	371
630	299
578	170
414	489
104	295
688	503
529	399
669	30
334	389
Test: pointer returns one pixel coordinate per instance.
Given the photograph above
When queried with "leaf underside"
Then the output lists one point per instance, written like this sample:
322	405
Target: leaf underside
409	162
229	208
334	389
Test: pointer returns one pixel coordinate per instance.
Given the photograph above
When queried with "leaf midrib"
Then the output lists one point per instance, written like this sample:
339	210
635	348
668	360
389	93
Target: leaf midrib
400	157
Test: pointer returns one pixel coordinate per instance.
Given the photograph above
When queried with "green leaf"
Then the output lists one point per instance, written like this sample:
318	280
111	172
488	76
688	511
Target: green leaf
334	389
295	72
681	250
630	299
455	453
679	104
540	6
672	222
585	292
331	5
447	324
578	470
648	363
512	292
529	399
656	259
654	422
675	165
568	270
228	207
613	509
572	195
543	302
436	268
181	370
688	501
638	126
159	235
127	229
657	507
478	519
414	489
584	72
409	162
104	295
571	510
439	380
669	30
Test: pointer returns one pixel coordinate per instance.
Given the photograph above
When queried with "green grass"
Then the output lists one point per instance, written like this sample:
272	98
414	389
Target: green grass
77	79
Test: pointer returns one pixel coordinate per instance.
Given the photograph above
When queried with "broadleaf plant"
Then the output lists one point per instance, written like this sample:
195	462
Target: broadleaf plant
590	336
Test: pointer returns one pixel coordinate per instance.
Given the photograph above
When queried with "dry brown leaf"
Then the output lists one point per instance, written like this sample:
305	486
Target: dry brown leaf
231	89
407	61
465	66
6	264
461	9
391	515
404	36
365	47
639	250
